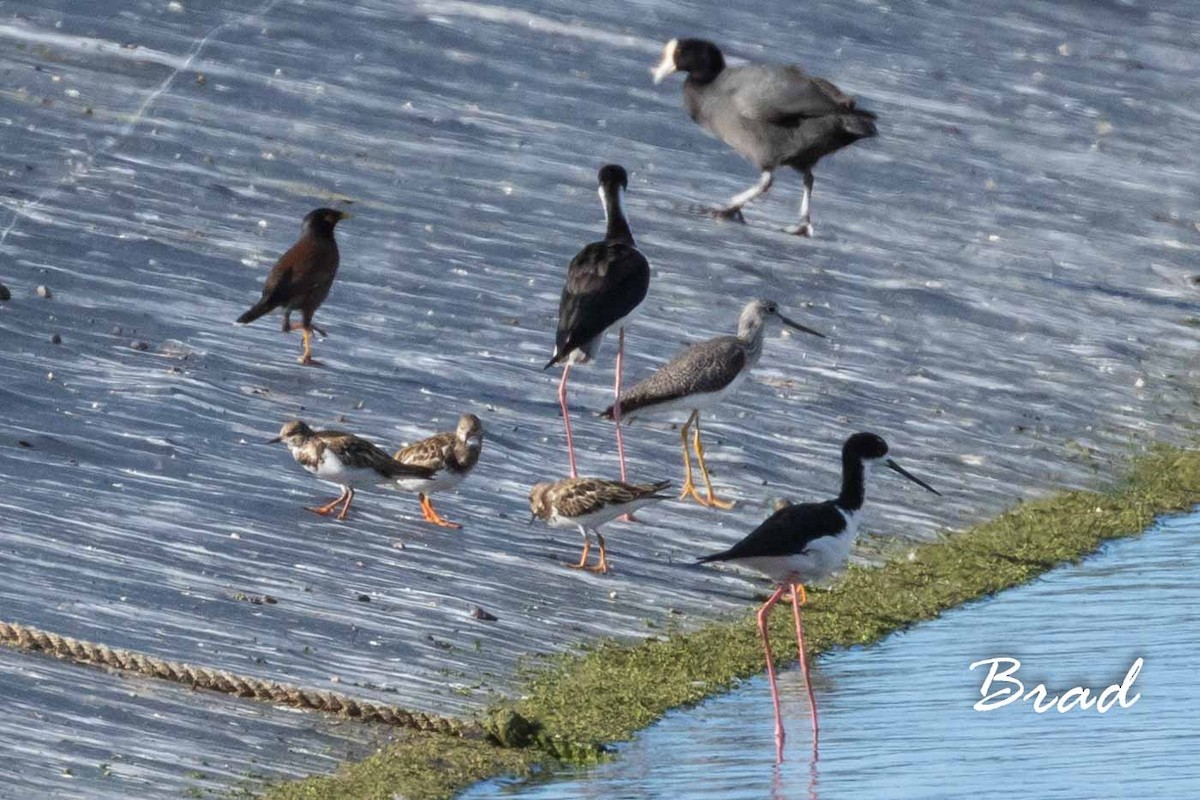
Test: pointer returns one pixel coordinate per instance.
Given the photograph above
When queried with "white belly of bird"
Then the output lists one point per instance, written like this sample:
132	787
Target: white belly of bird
598	518
440	482
333	470
820	560
680	408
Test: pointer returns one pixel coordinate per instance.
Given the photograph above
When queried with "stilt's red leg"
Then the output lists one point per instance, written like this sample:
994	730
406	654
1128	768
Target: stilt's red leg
763	614
562	401
798	598
617	402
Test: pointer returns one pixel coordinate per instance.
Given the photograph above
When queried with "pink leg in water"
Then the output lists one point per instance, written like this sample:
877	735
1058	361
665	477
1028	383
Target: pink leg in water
617	404
562	401
763	613
799	597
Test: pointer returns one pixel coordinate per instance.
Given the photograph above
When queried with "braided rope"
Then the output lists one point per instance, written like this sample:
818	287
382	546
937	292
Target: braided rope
67	648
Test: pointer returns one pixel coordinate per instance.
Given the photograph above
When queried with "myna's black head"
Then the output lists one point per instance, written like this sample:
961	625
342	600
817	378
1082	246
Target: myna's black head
321	221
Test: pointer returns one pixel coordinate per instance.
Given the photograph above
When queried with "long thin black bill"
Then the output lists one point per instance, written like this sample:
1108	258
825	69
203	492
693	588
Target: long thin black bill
791	323
911	477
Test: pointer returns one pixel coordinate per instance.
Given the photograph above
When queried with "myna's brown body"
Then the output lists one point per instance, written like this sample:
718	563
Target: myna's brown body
302	277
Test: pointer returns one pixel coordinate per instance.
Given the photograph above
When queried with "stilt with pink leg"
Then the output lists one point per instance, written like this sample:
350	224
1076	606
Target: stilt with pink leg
606	281
809	542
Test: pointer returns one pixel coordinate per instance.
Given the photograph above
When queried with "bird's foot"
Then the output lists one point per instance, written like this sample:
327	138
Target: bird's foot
323	511
442	522
628	518
733	213
803	229
690	491
599	569
308	361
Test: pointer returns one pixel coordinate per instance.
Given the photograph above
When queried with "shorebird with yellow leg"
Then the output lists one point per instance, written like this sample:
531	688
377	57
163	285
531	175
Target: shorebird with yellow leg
701	376
806	543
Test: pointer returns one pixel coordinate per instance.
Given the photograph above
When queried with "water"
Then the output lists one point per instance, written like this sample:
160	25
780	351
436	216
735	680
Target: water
897	718
1003	274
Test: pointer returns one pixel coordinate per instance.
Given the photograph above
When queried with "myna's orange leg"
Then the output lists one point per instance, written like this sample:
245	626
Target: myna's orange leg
602	566
587	548
433	516
711	500
306	357
330	506
346	507
689	488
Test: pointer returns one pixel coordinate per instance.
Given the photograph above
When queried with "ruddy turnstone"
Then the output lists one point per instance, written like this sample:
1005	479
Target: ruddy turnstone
605	282
588	503
302	277
344	459
808	542
450	455
773	115
700	376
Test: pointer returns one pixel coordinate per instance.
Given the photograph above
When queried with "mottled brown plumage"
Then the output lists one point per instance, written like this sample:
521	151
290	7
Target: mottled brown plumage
302	277
344	459
450	455
587	503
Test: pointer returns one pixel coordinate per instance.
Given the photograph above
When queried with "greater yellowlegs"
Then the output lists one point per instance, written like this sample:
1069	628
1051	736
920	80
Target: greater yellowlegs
701	376
605	282
451	456
302	277
805	543
586	504
344	459
772	115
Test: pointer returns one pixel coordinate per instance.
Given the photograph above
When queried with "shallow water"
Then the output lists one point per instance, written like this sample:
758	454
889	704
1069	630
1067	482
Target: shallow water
897	718
1003	274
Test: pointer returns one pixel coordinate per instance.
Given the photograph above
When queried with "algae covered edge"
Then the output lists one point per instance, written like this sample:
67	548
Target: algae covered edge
579	704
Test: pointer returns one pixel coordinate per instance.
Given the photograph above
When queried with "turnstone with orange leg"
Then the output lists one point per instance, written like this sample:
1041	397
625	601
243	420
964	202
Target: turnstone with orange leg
809	542
701	376
588	503
344	459
302	277
606	281
450	455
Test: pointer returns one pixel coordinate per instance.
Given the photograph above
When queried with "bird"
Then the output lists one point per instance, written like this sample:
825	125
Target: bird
606	281
345	459
773	115
450	455
700	376
808	542
586	504
301	278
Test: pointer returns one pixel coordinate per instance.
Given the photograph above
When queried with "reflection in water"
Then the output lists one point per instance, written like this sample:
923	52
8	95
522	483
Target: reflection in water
897	718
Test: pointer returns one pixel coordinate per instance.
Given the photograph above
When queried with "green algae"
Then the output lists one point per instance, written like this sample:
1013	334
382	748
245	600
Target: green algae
573	707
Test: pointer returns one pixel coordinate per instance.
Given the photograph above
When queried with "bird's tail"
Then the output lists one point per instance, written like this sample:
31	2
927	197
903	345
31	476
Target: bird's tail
859	123
712	557
264	306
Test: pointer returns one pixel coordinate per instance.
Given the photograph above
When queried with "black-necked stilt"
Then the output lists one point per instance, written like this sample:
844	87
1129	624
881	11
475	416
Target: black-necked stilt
805	543
772	115
606	281
586	504
302	277
451	455
701	376
344	459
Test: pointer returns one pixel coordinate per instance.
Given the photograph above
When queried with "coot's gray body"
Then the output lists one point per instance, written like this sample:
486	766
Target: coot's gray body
774	115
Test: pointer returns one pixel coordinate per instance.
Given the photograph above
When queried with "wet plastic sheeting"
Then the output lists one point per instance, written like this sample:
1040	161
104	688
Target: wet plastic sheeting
1002	274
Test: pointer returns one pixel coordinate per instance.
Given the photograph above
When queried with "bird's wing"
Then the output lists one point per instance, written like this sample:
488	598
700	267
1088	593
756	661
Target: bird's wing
605	282
708	366
783	94
580	496
301	270
432	453
789	530
361	453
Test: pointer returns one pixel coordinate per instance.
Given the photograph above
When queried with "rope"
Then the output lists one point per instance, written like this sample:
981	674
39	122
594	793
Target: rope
67	648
